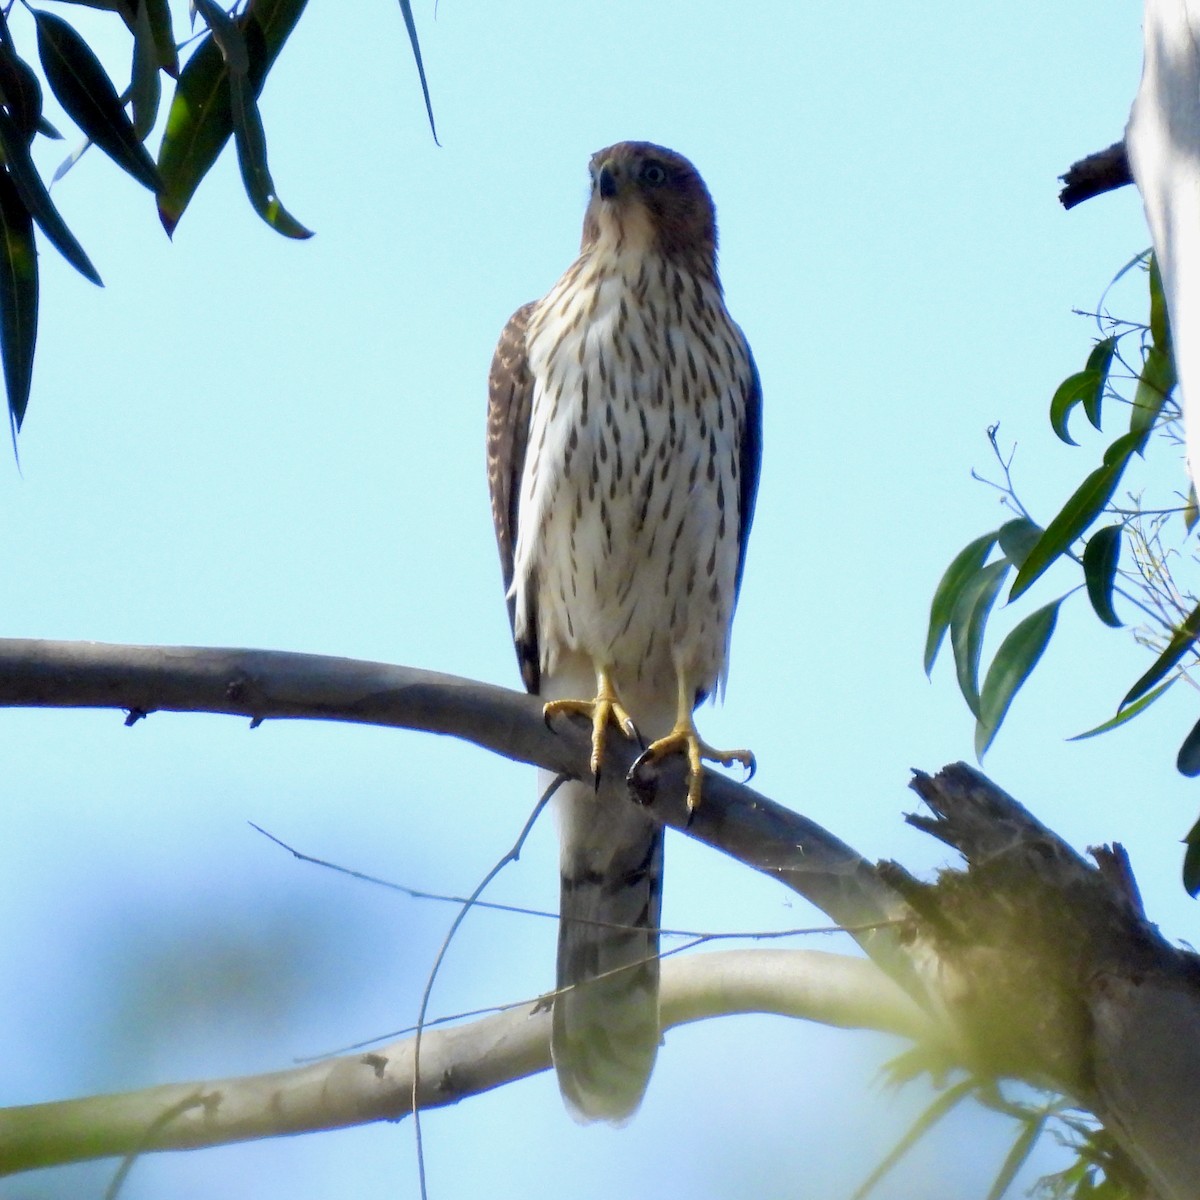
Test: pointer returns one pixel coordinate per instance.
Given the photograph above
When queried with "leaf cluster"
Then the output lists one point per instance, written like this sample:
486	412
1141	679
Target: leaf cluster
1126	382
215	95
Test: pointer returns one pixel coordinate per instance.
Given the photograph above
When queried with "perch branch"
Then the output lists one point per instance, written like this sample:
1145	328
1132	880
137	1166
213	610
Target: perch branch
274	685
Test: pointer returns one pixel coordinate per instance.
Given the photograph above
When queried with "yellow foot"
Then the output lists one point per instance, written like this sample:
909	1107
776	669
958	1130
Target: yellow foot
684	739
605	710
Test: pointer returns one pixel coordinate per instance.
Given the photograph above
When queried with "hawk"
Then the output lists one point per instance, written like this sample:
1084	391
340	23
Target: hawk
624	416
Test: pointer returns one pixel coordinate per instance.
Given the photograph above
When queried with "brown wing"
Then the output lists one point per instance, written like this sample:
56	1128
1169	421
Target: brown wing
510	401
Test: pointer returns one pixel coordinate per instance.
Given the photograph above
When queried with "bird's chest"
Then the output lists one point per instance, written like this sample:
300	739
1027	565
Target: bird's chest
629	499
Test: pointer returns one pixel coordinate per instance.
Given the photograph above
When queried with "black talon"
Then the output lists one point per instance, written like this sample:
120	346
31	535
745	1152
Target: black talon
751	767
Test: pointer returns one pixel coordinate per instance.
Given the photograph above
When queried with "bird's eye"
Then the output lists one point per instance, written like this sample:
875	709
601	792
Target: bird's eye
654	173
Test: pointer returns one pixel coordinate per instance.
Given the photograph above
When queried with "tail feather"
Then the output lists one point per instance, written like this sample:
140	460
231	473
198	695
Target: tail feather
606	1024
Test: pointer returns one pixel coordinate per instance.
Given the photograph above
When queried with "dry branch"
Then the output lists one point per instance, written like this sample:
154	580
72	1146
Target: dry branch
455	1063
1032	963
1104	171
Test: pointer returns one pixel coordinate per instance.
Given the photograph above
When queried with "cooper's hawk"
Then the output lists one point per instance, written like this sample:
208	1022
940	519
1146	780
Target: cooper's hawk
623	456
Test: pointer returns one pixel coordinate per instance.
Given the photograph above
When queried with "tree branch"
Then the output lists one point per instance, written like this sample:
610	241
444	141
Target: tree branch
1104	171
275	685
455	1063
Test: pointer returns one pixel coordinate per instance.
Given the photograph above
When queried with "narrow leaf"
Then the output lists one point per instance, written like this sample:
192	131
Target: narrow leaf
1187	761
1099	360
1101	556
1154	386
248	132
1077	514
227	35
411	26
1126	714
37	200
21	92
940	1107
145	90
18	298
963	566
1017	1157
1083	387
1017	538
1160	330
200	119
967	625
1191	510
1181	642
1191	860
1016	658
85	91
252	159
158	14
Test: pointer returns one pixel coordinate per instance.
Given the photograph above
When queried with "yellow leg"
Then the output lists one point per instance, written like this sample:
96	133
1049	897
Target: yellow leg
684	739
604	710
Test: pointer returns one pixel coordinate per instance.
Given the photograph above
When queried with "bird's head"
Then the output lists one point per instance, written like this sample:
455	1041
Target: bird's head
646	198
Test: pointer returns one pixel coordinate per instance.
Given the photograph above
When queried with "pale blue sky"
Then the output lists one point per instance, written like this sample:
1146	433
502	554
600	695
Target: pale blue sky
246	441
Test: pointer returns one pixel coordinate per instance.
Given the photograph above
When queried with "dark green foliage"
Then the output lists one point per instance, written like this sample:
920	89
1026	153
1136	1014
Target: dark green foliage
215	96
1085	537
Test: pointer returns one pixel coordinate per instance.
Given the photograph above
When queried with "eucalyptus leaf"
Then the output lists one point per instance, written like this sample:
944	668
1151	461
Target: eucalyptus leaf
1017	538
1182	640
967	625
200	120
1018	655
37	200
18	298
962	567
1077	514
411	26
1080	388
1154	386
85	91
1101	556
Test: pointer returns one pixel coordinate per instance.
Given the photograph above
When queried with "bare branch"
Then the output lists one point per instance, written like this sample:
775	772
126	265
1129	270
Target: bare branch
456	1063
1104	171
274	685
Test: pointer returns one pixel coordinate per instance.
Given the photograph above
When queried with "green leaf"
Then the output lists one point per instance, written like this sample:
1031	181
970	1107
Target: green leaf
252	159
200	119
158	15
1154	386
411	26
1099	360
1017	538
1083	387
1191	861
1191	510
18	298
1016	658
37	200
20	91
1101	556
1126	714
1181	642
248	132
1160	330
145	90
226	34
85	91
967	624
1187	761
1077	514
961	569
940	1107
1017	1156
